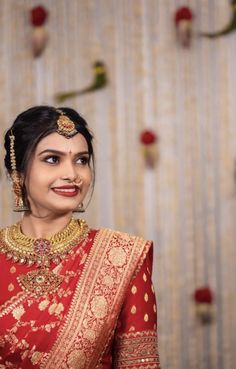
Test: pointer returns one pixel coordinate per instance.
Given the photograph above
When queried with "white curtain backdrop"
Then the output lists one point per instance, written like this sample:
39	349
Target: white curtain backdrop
187	203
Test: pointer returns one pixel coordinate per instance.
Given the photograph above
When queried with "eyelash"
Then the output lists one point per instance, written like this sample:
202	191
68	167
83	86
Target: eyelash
84	160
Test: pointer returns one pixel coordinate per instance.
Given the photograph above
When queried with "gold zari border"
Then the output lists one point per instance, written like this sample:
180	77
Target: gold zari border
137	350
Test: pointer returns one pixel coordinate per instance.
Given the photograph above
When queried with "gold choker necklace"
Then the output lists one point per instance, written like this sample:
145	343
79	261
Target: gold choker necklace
41	251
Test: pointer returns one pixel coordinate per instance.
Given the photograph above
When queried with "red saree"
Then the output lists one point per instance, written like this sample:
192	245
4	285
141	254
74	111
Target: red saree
102	316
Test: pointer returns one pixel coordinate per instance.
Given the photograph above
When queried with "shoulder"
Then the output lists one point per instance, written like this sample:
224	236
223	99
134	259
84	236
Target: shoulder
128	242
122	235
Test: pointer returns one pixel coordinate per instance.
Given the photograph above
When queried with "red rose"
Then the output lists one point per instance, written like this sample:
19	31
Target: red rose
203	295
38	16
148	137
183	13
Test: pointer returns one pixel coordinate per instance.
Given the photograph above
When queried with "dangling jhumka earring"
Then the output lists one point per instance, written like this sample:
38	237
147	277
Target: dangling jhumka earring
16	180
79	209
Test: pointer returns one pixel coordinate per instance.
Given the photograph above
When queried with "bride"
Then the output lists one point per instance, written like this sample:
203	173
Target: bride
71	296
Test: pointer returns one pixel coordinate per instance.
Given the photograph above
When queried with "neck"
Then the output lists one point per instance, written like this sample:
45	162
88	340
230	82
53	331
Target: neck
44	227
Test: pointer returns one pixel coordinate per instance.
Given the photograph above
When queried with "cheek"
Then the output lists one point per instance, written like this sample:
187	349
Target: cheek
89	177
36	181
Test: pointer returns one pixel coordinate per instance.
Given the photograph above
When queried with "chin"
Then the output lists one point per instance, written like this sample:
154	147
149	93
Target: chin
66	209
59	208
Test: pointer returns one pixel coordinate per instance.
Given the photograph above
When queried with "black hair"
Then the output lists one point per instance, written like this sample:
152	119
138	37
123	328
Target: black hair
36	123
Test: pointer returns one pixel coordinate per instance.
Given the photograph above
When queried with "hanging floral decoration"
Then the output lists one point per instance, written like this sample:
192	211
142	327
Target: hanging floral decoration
148	140
99	80
38	18
183	24
230	27
204	299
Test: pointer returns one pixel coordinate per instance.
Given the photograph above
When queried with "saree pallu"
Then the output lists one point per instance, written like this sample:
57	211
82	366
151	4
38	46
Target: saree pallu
103	315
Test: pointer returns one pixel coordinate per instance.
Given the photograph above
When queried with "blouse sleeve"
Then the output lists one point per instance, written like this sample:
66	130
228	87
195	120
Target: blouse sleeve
135	343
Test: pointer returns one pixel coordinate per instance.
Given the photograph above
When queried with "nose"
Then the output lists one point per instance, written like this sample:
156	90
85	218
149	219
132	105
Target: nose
69	172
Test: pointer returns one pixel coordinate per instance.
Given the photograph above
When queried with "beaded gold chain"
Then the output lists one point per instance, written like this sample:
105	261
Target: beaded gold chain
41	251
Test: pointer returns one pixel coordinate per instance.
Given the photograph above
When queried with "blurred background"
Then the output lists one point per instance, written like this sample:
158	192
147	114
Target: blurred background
156	81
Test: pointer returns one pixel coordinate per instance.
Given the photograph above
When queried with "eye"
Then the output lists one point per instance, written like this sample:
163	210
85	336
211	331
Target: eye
52	159
83	160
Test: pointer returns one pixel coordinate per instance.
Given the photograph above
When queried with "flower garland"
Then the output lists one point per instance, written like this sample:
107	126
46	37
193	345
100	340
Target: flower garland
203	299
183	23
148	140
38	17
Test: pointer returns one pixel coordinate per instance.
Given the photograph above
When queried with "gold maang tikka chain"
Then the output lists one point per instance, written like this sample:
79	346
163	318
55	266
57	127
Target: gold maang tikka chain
42	252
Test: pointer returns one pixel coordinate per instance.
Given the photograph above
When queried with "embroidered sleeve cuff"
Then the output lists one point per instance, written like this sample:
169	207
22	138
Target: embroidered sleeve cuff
137	350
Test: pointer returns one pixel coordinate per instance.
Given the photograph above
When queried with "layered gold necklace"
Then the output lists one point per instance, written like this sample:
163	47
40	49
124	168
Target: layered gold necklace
42	252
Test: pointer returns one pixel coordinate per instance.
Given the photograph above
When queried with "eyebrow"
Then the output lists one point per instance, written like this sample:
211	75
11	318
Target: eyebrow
61	153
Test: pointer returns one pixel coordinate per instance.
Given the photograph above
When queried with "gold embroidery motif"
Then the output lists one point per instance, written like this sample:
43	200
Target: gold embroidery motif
108	281
99	306
146	297
146	317
11	287
36	356
56	308
12	303
76	359
154	308
134	289
18	312
43	305
144	277
117	256
13	270
137	350
132	329
133	309
90	335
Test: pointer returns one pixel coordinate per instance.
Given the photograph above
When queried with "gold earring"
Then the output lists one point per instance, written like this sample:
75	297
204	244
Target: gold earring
79	209
16	180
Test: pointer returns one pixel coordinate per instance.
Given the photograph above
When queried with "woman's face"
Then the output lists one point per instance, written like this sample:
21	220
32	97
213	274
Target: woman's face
58	175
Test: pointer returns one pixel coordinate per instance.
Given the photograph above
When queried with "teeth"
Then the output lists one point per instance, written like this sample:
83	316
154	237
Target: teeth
65	190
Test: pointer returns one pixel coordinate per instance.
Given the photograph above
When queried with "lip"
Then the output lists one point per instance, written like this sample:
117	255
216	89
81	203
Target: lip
66	191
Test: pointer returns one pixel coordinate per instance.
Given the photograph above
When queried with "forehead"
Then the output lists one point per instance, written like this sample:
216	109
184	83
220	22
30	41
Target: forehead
54	141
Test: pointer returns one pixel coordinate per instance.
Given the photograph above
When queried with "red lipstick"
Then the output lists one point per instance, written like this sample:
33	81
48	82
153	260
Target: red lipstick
66	191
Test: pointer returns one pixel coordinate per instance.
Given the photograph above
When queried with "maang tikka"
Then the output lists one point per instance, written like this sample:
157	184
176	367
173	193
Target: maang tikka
66	127
16	179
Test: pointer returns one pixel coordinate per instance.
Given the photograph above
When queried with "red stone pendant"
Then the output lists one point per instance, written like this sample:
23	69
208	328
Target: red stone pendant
40	281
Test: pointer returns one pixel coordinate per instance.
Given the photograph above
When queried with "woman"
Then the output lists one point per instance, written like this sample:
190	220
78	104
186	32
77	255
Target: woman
71	297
